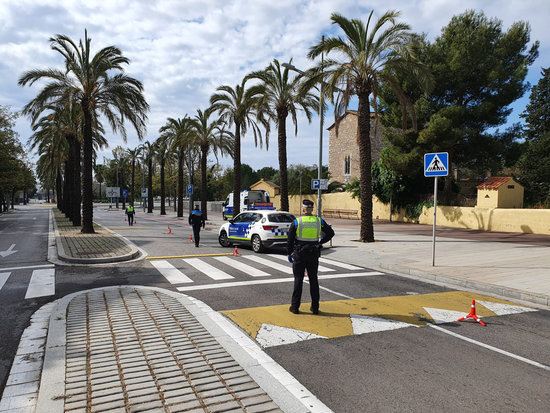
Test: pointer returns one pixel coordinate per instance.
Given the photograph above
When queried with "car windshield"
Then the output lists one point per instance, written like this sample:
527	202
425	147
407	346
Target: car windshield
280	217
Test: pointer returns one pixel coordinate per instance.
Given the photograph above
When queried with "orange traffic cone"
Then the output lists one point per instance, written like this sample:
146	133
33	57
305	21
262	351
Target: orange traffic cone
124	219
473	315
236	253
169	229
190	238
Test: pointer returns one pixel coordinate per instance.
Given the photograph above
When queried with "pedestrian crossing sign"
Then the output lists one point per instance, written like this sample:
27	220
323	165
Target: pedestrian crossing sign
436	164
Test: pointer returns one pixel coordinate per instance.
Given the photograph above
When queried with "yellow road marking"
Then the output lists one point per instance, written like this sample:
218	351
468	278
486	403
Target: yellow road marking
334	317
131	228
188	256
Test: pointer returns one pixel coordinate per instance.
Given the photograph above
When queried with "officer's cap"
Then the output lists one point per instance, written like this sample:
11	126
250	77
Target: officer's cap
306	203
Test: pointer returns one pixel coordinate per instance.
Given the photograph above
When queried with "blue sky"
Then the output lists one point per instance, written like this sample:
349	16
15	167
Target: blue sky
183	50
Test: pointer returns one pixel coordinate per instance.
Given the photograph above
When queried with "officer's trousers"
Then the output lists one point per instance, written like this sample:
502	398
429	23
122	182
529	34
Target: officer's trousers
301	263
196	234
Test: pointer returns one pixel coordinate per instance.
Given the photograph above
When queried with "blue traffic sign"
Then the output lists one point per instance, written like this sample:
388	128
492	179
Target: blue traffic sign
189	189
315	183
125	193
436	164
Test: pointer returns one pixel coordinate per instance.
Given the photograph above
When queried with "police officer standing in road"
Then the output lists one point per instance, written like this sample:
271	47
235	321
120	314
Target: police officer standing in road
305	237
196	219
130	212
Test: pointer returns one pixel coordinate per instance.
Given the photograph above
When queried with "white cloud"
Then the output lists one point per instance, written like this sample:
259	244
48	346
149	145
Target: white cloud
183	50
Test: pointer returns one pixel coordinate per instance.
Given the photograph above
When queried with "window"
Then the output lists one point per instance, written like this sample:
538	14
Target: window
347	165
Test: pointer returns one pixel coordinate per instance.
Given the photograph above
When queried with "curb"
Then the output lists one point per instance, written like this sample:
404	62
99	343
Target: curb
63	256
476	286
287	392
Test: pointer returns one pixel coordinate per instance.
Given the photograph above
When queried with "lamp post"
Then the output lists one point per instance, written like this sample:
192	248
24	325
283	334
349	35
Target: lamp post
321	121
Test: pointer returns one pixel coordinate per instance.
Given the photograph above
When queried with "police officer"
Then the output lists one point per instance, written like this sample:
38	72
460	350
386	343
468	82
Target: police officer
305	237
130	212
196	219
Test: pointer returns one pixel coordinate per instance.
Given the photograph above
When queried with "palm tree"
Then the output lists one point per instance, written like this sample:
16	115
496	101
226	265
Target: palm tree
368	54
162	154
133	156
89	81
148	153
179	133
282	96
238	107
209	136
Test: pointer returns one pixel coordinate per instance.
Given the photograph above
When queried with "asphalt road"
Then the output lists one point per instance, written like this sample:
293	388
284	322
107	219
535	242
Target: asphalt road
405	369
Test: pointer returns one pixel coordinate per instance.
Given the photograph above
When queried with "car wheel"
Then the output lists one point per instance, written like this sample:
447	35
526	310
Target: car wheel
224	240
257	245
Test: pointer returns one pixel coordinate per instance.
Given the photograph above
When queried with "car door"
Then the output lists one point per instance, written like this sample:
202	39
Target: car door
239	226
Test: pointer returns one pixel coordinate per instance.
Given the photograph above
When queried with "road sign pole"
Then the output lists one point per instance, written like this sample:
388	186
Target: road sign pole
435	219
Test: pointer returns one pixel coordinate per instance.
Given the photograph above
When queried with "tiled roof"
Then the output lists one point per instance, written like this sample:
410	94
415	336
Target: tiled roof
494	182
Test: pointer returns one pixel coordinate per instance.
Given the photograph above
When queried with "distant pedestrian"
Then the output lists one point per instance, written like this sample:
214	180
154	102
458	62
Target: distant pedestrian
130	211
305	237
196	219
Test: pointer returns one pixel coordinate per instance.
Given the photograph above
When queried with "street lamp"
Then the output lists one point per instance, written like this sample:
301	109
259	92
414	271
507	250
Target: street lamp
321	121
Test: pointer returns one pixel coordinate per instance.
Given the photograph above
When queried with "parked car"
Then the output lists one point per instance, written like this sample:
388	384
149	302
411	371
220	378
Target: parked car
260	229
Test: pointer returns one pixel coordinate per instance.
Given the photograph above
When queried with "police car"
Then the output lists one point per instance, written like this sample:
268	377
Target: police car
260	229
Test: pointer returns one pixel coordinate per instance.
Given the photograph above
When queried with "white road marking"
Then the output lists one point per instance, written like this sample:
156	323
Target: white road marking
28	267
285	258
208	269
3	278
270	335
366	324
268	263
489	347
339	264
272	281
9	251
504	309
440	315
171	273
241	266
42	283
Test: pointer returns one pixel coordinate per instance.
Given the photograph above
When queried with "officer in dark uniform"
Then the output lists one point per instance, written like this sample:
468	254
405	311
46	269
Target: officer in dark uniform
305	237
196	219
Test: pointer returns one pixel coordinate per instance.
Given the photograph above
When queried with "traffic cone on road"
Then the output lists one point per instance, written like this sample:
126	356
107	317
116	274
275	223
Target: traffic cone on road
236	253
473	315
169	229
124	219
190	238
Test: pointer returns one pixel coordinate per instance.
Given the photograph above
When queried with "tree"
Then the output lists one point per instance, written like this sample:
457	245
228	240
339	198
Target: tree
89	80
237	107
283	96
11	158
209	136
148	153
162	154
478	71
180	135
537	112
133	156
368	55
535	163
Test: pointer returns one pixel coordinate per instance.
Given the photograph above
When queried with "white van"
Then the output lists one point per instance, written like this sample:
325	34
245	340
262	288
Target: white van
250	200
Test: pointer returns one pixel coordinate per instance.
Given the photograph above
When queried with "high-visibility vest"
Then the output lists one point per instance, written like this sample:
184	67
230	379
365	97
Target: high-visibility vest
308	228
130	209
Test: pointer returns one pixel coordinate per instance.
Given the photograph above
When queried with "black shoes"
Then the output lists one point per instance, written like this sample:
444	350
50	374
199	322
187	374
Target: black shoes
294	310
314	311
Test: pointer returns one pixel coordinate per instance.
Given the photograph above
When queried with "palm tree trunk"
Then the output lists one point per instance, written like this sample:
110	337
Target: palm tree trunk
204	194
237	171
150	186
87	196
281	136
69	185
180	183
132	197
162	189
365	184
76	190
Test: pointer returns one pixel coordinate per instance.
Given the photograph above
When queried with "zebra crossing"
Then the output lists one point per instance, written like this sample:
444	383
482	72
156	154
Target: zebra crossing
41	283
210	272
